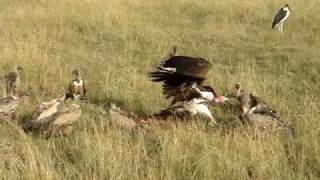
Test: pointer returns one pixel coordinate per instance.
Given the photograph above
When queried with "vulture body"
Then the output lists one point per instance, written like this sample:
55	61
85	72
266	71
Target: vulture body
122	118
264	122
12	81
77	86
194	108
10	104
8	108
54	117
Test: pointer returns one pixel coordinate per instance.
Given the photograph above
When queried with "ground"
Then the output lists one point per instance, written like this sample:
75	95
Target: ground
116	43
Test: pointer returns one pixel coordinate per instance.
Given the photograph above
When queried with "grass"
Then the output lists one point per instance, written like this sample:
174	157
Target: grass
116	43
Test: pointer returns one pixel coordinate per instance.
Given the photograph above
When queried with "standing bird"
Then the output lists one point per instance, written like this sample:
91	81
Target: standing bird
182	78
281	17
12	81
77	86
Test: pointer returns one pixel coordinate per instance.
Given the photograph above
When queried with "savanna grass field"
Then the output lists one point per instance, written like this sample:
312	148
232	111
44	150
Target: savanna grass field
116	43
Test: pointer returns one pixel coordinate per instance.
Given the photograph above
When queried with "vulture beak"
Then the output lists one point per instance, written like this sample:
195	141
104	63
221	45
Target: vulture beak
220	100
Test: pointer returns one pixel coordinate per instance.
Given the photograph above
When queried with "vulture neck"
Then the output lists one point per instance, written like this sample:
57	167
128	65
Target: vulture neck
78	78
215	94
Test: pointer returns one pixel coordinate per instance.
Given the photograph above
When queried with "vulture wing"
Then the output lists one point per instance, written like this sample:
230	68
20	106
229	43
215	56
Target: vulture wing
71	87
179	72
10	77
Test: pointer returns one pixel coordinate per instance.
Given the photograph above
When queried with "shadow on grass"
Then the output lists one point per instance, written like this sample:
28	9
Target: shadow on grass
106	103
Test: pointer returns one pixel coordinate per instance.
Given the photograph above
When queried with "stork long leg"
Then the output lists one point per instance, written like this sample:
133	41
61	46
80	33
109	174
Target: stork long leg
281	29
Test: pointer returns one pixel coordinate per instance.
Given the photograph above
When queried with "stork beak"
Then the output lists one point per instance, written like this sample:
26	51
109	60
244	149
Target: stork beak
290	9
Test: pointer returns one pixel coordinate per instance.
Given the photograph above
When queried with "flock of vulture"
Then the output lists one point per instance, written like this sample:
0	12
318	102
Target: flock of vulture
51	118
182	80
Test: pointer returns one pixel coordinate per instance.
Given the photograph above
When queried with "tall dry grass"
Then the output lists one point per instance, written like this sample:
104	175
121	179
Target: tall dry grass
116	43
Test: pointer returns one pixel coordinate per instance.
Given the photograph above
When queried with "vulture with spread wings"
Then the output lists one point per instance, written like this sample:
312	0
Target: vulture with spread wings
182	78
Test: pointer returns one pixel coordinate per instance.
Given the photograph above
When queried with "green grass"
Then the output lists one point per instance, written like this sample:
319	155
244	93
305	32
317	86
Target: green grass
116	44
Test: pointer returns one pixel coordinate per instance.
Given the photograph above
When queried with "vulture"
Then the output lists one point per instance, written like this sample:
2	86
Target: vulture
77	86
9	105
8	108
256	112
252	104
182	80
122	118
12	81
54	117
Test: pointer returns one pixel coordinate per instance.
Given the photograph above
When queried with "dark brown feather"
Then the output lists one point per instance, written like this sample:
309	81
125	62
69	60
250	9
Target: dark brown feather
279	16
179	72
11	76
191	66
